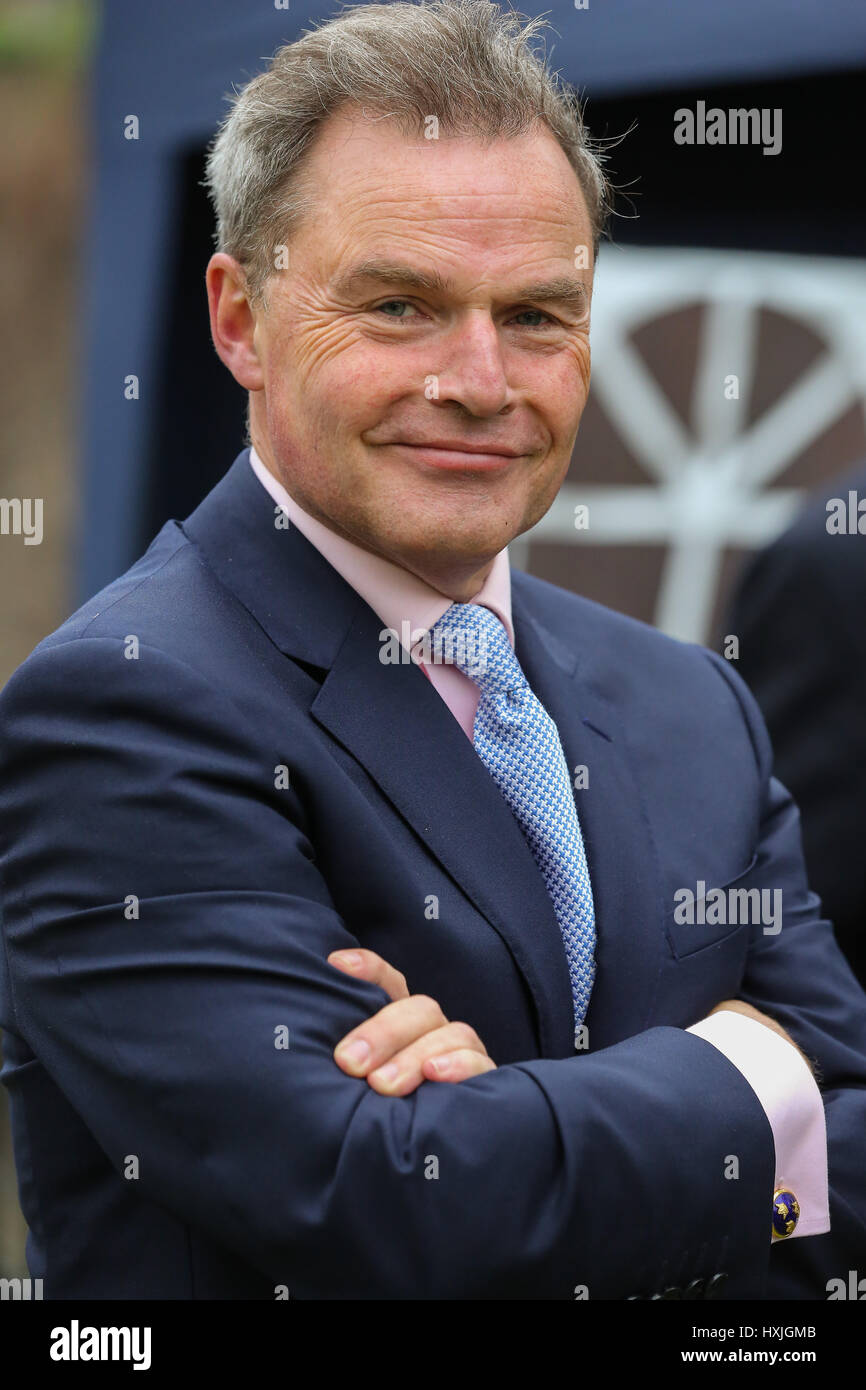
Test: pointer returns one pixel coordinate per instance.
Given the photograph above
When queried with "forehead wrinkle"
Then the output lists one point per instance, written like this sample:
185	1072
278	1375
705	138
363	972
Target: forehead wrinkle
445	207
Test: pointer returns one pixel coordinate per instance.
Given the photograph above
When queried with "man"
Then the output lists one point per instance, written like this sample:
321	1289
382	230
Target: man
226	776
799	615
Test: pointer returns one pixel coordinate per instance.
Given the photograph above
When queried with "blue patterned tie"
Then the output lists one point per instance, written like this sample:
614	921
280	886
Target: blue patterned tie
519	744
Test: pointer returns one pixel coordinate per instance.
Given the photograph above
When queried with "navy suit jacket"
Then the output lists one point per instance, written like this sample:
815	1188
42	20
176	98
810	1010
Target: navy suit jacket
168	906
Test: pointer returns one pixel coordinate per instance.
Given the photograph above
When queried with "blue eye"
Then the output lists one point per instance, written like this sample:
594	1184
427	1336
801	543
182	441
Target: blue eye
538	312
389	302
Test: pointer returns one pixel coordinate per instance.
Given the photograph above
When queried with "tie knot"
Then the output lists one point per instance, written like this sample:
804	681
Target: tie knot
472	638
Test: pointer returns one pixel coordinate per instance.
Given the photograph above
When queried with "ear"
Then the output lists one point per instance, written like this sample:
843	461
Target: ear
232	320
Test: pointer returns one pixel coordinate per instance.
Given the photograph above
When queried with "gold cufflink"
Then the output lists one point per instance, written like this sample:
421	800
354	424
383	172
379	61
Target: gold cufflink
786	1212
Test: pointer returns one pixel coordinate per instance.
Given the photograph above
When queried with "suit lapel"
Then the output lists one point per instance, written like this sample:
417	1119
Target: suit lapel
398	727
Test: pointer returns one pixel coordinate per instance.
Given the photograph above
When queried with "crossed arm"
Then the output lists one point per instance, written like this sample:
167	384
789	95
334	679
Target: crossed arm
410	1040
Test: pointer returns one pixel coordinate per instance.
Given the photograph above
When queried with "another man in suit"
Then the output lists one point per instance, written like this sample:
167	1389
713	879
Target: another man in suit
321	719
799	614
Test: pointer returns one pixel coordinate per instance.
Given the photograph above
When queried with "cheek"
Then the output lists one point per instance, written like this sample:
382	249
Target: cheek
585	365
578	367
313	349
342	379
569	387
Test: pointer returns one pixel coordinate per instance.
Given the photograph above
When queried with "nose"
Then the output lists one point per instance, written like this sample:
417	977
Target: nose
475	374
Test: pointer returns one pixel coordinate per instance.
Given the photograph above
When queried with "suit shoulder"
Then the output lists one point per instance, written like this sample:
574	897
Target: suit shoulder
163	605
166	600
619	636
681	690
104	613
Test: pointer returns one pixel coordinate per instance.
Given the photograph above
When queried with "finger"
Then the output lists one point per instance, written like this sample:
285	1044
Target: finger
367	965
457	1066
387	1032
404	1071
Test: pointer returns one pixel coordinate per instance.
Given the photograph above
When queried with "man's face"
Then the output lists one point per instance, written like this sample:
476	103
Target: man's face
360	369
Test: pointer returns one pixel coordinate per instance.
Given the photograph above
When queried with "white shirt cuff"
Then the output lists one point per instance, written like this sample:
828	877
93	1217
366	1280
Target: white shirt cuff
789	1094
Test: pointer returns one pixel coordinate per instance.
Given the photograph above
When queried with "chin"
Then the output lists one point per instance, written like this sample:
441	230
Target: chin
454	545
468	528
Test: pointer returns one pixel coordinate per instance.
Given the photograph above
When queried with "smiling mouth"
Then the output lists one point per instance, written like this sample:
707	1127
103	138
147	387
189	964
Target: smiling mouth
456	458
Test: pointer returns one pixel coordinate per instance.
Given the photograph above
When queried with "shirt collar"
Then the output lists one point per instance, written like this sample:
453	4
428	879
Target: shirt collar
405	603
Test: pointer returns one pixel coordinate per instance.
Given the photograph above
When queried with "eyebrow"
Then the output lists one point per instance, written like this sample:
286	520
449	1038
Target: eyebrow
562	289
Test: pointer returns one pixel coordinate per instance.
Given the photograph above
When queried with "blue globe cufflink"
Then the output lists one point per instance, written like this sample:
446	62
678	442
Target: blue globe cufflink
786	1212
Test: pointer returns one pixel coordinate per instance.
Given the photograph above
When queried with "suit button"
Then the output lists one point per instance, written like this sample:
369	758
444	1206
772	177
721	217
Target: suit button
715	1285
674	1291
695	1289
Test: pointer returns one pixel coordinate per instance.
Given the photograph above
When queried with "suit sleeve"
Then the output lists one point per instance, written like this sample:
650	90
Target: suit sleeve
167	928
801	978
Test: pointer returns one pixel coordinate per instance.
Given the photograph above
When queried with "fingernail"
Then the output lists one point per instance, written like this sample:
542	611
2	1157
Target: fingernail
350	958
389	1072
357	1051
440	1064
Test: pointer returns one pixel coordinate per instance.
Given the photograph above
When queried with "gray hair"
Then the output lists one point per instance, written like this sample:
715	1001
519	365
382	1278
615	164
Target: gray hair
467	62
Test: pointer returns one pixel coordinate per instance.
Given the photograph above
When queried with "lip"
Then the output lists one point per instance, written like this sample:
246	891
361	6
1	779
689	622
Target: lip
444	454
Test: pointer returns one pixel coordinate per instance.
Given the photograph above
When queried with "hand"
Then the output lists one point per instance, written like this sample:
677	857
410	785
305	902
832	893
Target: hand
739	1006
410	1035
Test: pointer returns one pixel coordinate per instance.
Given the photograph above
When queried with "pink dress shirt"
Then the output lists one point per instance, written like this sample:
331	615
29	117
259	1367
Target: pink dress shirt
776	1072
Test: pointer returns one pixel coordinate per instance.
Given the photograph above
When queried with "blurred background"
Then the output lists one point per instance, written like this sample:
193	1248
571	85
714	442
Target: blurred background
728	398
